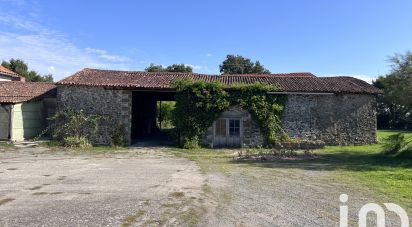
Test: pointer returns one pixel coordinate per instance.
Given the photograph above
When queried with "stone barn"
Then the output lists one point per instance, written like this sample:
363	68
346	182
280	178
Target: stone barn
336	110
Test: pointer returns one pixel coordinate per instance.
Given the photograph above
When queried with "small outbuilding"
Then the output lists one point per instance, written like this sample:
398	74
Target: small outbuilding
337	110
24	108
8	75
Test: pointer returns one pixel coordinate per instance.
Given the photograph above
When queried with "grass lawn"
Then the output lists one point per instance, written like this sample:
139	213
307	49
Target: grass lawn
388	175
366	165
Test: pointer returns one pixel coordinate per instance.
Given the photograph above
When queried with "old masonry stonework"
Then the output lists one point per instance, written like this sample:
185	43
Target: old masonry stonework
115	105
336	119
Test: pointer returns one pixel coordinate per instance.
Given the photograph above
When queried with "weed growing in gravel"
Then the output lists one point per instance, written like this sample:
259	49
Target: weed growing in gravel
129	220
177	194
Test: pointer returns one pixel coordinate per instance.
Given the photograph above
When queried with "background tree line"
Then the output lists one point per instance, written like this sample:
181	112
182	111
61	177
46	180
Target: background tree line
395	104
233	64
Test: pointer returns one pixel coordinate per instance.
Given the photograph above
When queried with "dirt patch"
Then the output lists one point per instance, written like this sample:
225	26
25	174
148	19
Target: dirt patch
35	188
177	194
40	193
5	200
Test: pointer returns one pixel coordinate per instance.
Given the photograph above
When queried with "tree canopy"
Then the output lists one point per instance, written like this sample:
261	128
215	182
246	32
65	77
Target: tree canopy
171	68
395	105
236	64
20	67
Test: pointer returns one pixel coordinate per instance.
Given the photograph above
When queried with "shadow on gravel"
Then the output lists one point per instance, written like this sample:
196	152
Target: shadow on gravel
353	162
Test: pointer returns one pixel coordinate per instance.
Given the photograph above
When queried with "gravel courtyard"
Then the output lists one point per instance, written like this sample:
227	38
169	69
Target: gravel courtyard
139	187
153	187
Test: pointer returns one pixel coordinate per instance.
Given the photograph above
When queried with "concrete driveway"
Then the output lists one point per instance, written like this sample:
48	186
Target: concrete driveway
134	187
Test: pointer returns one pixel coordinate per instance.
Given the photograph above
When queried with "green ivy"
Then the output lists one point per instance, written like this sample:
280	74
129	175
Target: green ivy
199	104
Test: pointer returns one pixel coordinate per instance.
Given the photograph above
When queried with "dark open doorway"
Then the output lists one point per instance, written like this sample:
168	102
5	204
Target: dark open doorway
145	126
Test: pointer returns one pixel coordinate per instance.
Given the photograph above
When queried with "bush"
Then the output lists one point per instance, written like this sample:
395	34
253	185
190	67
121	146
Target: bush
118	136
72	123
398	144
190	143
73	128
76	142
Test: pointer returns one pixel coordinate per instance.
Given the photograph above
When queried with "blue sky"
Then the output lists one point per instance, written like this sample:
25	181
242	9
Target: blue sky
324	37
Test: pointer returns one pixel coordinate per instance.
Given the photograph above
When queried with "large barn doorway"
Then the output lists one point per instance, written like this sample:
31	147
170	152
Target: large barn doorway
148	126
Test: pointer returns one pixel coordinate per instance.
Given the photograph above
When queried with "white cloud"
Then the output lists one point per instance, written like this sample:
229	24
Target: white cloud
48	51
209	55
51	70
105	55
196	67
94	51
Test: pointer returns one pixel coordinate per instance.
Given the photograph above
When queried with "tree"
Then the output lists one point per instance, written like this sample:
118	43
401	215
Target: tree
20	67
241	65
395	105
171	68
155	68
179	68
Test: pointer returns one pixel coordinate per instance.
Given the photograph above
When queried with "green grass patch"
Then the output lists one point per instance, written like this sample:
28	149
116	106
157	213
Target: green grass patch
129	220
55	146
5	144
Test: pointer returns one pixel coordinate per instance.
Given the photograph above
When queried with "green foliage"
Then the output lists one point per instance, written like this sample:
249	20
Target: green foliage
171	68
265	109
20	67
191	143
398	144
395	105
165	114
74	123
70	126
236	64
119	138
179	68
199	104
76	142
155	68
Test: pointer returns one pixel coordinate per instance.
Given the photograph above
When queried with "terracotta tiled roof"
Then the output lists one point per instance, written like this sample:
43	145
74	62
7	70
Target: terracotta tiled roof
8	72
15	92
291	82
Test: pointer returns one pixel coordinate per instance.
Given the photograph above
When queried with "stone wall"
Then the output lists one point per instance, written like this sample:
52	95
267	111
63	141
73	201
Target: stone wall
335	119
116	105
